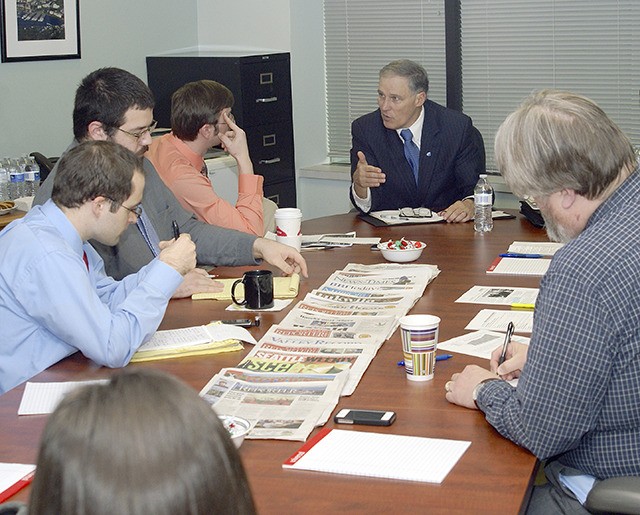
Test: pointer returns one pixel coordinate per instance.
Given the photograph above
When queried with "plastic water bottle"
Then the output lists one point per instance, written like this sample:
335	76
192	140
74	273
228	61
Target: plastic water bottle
31	177
483	198
16	179
4	182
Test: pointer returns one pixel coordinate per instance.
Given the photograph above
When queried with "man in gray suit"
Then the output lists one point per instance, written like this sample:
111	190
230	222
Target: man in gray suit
113	104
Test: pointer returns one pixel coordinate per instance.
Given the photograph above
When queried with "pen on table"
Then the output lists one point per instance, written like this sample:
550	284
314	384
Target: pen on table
176	229
522	305
518	255
440	357
507	339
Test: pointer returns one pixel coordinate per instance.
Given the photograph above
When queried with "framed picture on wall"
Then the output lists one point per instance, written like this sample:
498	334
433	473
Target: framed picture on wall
37	30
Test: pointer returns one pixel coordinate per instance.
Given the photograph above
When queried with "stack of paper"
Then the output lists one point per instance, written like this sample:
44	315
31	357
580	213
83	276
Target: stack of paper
291	381
193	341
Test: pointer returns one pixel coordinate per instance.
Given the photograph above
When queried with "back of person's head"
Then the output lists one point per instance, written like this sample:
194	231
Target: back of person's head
104	96
95	169
196	104
144	443
412	71
557	140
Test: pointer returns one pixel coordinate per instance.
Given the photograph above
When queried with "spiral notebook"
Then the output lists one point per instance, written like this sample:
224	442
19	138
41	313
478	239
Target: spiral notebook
519	266
359	453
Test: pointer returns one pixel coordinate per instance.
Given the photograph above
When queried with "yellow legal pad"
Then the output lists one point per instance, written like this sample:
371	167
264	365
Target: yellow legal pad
196	350
187	341
283	288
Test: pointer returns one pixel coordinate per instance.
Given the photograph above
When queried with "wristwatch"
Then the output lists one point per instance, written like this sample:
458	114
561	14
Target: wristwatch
476	390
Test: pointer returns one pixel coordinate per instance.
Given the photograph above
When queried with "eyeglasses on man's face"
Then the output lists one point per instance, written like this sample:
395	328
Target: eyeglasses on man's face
220	121
136	210
140	134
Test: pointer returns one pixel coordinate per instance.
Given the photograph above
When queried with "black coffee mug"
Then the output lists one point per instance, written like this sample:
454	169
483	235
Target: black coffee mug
258	289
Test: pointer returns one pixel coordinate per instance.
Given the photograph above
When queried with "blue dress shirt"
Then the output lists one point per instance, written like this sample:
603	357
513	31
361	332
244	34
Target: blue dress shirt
52	306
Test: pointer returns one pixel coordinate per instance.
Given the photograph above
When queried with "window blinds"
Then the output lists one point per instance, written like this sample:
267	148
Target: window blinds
511	48
361	36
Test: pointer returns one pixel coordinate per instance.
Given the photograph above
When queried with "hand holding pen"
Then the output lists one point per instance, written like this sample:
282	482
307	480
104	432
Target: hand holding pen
513	355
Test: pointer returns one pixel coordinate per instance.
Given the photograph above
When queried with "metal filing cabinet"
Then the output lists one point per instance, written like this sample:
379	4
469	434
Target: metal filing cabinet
261	85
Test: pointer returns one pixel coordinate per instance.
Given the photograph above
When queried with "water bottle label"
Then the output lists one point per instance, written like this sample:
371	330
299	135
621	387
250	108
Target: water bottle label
482	199
18	177
29	176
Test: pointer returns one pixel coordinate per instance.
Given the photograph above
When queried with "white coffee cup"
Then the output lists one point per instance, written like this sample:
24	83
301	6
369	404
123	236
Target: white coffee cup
288	220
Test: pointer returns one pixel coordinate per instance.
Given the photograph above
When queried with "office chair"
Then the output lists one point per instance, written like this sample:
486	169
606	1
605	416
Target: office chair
45	164
615	495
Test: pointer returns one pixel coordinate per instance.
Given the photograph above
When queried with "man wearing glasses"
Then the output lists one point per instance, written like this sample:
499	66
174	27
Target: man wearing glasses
55	298
113	104
200	119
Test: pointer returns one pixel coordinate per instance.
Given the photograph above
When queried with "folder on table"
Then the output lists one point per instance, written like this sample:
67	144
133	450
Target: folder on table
283	288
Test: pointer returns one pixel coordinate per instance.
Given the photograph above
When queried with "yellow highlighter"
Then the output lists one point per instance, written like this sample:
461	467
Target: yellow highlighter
522	306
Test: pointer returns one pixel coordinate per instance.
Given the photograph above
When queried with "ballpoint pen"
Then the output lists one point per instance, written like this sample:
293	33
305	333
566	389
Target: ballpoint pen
518	255
176	229
440	357
507	339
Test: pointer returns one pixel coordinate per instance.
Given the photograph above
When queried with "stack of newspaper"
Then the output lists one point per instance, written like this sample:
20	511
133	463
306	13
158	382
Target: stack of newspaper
292	379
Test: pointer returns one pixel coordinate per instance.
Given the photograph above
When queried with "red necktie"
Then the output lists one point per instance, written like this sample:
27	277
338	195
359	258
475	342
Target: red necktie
85	259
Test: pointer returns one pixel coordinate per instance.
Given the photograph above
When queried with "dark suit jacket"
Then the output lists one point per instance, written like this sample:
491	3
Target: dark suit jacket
451	159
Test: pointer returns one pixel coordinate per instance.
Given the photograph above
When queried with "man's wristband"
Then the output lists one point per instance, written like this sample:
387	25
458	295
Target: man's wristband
476	390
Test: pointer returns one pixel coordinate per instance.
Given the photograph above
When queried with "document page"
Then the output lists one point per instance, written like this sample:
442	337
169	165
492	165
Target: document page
498	320
546	248
360	453
479	343
500	295
198	335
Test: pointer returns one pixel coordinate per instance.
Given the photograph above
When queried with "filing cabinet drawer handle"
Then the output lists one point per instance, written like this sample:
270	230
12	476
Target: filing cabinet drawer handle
269	161
266	100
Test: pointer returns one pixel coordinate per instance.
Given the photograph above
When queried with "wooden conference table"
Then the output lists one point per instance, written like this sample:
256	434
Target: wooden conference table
493	476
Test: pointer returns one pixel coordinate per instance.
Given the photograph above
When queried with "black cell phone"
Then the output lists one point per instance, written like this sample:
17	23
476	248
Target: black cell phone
365	416
242	322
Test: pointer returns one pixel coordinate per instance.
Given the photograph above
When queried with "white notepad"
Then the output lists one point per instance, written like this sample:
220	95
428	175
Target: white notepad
358	453
42	398
519	266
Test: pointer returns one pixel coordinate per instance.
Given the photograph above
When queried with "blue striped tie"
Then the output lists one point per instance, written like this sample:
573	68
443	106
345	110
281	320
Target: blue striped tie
411	151
148	232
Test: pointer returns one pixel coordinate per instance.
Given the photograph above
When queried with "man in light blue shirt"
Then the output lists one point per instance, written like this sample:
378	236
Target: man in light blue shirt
55	297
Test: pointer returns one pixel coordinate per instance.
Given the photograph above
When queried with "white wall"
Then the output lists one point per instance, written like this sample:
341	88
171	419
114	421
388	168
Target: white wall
294	26
247	24
36	98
